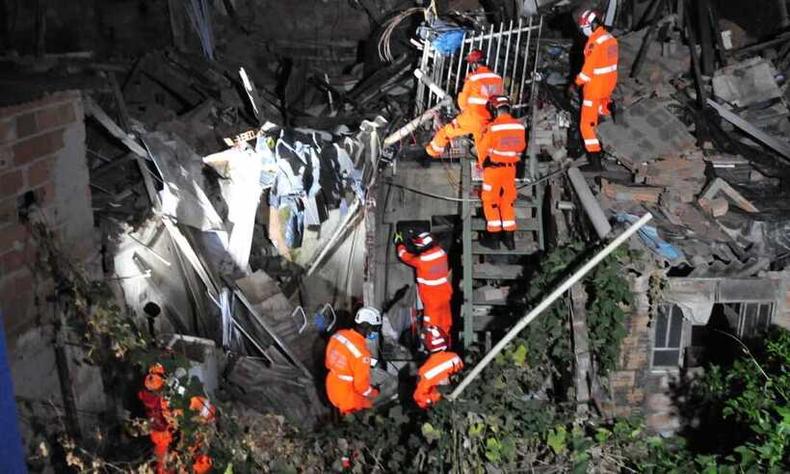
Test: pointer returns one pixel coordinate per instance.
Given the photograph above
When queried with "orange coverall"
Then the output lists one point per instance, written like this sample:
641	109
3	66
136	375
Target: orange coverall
348	381
500	149
434	372
598	79
478	87
433	285
157	412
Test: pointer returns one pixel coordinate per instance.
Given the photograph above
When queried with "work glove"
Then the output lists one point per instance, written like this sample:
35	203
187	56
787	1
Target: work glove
375	393
397	238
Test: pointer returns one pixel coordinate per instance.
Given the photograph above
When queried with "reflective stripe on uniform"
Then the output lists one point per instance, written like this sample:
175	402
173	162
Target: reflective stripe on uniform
477	101
506	126
349	345
401	252
494	223
346	378
426	318
504	153
603	38
508	223
436	147
605	70
437	282
367	392
587	103
487	187
591	141
432	256
443	367
584	77
482	75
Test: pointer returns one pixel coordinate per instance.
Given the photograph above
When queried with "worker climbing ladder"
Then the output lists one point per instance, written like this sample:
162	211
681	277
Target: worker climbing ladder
485	278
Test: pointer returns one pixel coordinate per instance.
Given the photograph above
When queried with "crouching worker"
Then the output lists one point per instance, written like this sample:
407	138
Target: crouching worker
437	369
348	360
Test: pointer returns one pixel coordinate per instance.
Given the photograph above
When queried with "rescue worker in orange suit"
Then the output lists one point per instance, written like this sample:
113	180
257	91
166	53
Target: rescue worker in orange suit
348	361
597	79
157	412
480	84
501	146
437	369
433	278
205	413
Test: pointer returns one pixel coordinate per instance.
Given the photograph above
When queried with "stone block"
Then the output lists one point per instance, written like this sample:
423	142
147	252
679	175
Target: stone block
11	183
37	147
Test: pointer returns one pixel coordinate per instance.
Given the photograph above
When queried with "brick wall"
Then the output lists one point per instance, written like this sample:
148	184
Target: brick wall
42	161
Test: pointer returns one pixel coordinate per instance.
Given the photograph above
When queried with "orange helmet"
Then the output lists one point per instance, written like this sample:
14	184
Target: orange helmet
475	56
156	368
434	339
154	382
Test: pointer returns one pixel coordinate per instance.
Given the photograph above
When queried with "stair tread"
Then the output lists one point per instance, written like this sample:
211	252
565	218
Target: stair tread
496	272
528	224
523	247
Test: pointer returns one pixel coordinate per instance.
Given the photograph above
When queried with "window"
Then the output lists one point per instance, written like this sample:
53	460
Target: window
668	337
748	319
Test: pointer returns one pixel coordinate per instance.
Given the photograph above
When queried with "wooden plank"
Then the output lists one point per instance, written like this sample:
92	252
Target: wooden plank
775	144
489	271
93	109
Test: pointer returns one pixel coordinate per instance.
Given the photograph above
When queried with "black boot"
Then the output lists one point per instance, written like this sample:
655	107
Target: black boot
424	159
593	162
489	240
509	239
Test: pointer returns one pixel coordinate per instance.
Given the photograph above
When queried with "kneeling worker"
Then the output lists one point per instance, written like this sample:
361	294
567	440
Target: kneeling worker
501	146
348	361
437	369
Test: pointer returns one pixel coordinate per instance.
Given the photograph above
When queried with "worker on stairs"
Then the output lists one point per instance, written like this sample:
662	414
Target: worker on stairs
437	369
480	84
597	79
348	360
432	270
499	151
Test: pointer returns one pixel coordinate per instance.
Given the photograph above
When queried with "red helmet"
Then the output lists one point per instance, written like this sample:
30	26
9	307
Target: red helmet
497	101
423	241
586	18
434	339
475	56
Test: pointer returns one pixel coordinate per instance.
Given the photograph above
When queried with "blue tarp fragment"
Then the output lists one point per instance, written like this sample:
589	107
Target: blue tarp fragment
649	236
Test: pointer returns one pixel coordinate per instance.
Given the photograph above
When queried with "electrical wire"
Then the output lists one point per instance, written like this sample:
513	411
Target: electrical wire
385	40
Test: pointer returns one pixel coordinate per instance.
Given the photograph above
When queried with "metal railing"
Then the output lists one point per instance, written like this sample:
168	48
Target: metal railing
510	48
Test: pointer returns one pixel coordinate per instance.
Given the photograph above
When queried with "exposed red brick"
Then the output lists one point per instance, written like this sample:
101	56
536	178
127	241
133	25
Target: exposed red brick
16	259
26	125
11	183
6	158
13	237
37	147
55	116
8	213
39	172
7	131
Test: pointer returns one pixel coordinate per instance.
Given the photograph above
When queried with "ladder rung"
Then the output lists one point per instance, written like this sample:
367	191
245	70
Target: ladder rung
478	223
523	247
489	271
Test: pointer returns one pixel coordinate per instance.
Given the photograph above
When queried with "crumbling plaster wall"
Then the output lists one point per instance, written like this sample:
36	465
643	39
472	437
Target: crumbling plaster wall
42	162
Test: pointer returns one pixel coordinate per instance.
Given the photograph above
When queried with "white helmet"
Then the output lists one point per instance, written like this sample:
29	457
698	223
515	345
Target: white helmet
368	314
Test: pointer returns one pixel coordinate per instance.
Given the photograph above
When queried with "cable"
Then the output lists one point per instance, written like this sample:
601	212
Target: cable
384	45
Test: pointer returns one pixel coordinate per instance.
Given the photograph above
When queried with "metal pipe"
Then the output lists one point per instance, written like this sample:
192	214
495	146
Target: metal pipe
513	83
460	61
507	51
499	45
407	129
434	87
591	205
490	43
526	61
546	303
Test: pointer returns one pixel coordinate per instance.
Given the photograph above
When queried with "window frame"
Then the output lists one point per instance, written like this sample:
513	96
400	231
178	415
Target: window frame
685	334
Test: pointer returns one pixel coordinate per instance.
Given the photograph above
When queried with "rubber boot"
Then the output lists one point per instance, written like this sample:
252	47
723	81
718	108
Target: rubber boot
509	240
489	240
593	162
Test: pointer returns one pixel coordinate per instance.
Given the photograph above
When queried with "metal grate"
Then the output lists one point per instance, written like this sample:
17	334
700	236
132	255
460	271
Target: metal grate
511	51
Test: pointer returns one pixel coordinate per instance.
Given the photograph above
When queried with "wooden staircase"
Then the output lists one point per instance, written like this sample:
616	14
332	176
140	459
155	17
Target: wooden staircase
487	272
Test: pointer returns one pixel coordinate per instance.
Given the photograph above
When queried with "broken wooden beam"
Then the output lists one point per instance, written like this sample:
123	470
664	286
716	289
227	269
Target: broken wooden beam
590	204
93	109
619	192
772	142
719	185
